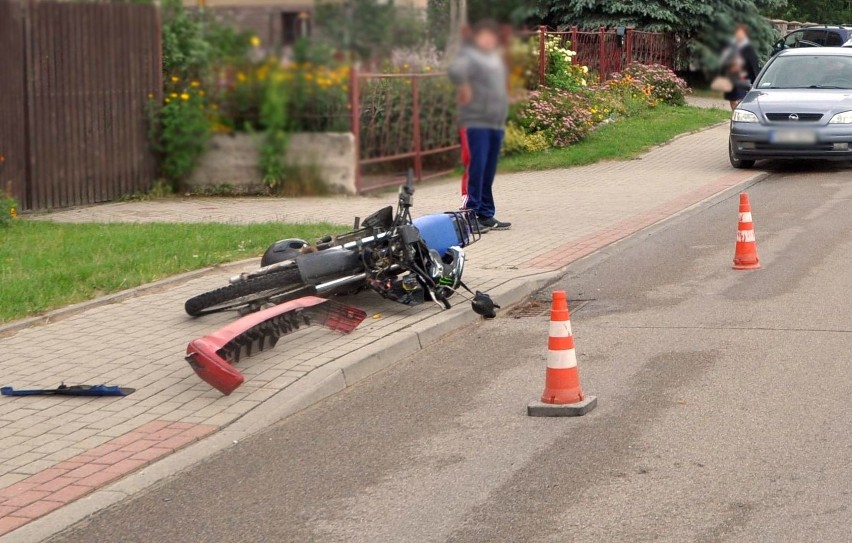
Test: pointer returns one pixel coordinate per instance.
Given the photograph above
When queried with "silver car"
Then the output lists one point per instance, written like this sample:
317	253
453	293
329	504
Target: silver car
800	107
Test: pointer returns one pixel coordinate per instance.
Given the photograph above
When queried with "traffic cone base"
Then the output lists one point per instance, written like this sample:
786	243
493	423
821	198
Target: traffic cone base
578	409
562	395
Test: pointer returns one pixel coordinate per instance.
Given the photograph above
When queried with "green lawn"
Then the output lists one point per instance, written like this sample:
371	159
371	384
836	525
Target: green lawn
44	265
623	139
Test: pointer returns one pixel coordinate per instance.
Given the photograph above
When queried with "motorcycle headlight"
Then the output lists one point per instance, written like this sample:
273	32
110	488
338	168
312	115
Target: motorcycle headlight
743	116
842	118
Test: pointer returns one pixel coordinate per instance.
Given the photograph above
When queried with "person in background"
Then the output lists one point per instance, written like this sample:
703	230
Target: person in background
741	65
481	78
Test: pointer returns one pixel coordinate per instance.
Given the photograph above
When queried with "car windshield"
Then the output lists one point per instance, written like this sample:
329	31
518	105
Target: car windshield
808	72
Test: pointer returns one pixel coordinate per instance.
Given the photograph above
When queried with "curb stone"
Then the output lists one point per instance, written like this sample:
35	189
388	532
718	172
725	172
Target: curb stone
317	385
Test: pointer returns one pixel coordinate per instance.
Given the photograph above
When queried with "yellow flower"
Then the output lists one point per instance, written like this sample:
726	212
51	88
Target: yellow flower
167	100
195	84
201	93
173	95
150	96
255	41
241	76
175	79
427	68
184	97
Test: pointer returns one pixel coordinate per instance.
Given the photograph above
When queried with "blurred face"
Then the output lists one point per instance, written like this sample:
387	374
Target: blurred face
486	40
740	35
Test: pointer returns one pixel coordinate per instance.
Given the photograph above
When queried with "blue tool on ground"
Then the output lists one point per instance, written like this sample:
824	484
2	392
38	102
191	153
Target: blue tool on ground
74	390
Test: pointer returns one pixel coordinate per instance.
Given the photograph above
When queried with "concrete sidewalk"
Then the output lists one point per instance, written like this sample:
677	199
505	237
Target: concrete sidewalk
54	450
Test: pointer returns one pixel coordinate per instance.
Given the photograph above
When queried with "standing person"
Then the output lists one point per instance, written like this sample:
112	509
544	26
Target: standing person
481	77
741	66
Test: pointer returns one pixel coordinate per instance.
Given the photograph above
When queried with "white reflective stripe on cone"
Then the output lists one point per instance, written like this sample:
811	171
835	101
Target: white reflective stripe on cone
562	359
560	328
745	217
745	235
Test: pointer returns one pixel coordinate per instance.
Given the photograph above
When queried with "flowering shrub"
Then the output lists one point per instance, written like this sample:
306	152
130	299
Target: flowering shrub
561	72
516	141
563	117
317	95
8	208
626	95
179	128
523	64
665	85
421	59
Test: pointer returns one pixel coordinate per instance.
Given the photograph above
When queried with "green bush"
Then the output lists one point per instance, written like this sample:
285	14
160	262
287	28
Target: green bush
516	141
273	119
178	130
8	208
185	51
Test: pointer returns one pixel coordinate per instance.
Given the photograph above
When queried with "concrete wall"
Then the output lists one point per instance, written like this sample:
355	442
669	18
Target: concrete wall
231	161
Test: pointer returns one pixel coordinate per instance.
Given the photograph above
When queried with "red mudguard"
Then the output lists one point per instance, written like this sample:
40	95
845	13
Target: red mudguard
212	356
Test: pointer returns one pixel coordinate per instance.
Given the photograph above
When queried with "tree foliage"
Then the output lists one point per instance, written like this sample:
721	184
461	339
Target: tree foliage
705	24
369	28
816	11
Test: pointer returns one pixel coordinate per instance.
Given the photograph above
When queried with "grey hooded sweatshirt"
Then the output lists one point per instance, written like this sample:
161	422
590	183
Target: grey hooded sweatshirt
487	75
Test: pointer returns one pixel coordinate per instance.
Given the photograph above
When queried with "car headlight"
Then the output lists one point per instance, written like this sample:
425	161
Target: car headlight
743	116
842	118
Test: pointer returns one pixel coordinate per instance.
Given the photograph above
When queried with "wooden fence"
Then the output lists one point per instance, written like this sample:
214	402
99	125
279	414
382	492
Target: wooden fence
74	81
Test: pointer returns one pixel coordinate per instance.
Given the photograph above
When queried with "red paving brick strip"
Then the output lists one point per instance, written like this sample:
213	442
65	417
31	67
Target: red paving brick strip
67	481
578	248
9	523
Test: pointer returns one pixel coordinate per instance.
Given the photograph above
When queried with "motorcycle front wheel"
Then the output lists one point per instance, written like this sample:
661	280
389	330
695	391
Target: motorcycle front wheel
243	293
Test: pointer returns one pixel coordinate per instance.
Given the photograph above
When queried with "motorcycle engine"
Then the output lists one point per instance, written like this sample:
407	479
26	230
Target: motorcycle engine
405	290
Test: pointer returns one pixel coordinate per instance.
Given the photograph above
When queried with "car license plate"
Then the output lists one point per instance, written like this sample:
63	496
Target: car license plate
800	137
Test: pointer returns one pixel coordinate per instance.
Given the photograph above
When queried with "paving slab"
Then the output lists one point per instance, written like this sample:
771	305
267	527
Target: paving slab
55	450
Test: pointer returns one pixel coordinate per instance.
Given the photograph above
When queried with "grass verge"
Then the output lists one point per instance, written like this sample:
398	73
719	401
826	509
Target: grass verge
624	139
45	265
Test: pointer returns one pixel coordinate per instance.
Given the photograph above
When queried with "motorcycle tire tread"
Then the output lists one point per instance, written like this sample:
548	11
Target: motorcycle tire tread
281	281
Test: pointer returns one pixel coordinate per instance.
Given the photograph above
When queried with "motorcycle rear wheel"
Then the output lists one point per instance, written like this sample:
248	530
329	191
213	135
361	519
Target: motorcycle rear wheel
244	293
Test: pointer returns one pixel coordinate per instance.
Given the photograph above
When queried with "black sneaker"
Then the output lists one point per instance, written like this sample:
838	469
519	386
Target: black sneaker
483	228
494	224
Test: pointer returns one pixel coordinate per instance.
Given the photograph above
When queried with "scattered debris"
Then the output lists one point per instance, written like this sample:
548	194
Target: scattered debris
73	390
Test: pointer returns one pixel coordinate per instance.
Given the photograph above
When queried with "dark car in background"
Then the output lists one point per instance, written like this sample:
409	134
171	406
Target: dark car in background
814	36
800	107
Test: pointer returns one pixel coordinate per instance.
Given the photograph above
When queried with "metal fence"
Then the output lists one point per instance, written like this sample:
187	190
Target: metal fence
608	51
75	81
408	120
402	120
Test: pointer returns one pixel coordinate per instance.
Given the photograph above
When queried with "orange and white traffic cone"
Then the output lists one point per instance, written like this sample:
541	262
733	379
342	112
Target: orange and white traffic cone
745	256
562	395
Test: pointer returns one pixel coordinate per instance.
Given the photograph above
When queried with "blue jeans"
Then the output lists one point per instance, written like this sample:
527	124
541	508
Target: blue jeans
483	152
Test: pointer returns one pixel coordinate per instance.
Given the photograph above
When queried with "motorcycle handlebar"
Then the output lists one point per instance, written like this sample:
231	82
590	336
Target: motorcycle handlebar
406	191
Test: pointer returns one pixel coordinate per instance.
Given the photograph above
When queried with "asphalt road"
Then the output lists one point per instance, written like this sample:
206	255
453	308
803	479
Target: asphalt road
723	414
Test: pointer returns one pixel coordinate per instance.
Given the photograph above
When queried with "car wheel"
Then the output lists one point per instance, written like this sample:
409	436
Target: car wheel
737	162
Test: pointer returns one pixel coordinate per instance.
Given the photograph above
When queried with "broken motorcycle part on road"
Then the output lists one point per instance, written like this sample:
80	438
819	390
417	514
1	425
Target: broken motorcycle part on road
213	356
73	390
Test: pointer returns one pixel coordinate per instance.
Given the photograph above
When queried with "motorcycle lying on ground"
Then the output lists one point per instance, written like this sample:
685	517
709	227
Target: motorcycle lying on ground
404	260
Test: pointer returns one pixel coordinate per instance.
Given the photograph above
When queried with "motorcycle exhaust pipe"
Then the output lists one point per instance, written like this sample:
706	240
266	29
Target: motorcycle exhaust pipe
342	282
279	266
319	290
